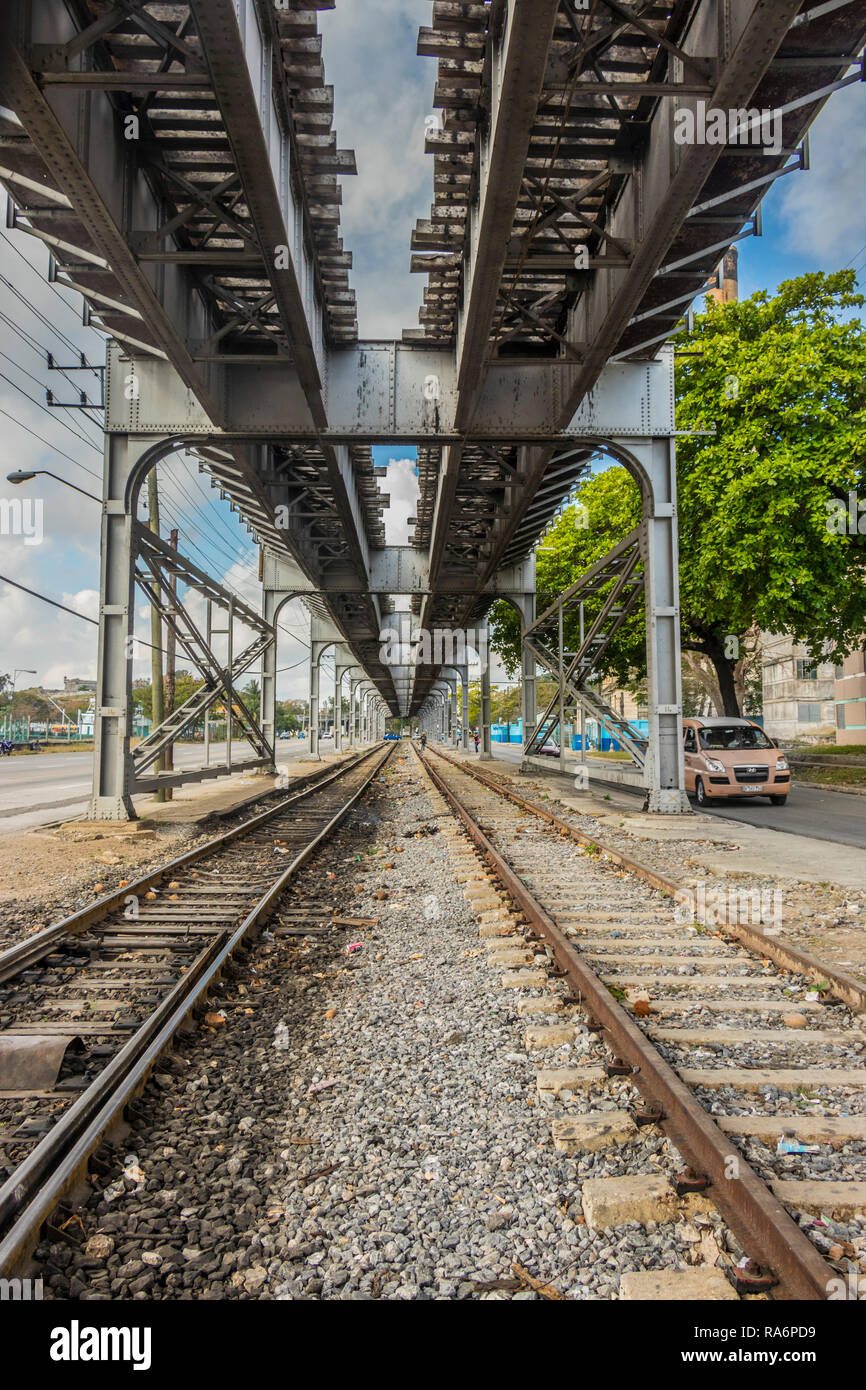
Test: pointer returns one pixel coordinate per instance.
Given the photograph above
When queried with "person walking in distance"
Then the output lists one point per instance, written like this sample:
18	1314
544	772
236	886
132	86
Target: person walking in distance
477	738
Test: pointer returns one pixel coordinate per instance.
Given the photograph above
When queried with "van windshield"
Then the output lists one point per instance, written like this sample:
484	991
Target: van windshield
734	736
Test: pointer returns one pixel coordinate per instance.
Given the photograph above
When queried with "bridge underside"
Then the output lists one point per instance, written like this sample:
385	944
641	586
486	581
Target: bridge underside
180	163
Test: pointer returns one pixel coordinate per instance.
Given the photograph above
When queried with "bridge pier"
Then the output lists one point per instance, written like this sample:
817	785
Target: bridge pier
132	553
665	773
486	749
342	664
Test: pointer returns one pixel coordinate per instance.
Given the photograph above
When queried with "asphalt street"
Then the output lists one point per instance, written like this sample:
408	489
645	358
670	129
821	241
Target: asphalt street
44	787
819	814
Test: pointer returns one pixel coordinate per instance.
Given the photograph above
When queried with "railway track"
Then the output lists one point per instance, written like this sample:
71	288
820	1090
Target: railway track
88	1005
756	1076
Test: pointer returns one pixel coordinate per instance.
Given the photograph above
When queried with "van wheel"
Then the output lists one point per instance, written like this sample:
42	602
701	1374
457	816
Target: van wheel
779	800
700	792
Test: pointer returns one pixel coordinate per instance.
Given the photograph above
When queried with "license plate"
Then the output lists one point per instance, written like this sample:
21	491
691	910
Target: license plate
751	787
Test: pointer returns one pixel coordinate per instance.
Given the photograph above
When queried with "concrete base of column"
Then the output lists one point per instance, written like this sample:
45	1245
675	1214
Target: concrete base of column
668	801
110	808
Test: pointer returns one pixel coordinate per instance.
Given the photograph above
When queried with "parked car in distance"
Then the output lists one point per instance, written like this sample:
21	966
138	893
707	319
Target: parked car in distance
392	738
733	757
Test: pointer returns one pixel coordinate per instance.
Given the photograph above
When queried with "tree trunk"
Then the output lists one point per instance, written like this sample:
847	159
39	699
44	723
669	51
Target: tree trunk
725	673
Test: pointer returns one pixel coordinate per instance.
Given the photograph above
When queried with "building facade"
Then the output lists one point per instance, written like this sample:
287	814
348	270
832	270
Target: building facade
851	699
799	693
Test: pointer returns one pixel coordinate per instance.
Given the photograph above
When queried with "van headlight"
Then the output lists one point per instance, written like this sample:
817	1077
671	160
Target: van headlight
713	765
781	764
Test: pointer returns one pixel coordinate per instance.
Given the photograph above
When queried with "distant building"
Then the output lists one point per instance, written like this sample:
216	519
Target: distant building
725	286
850	699
73	686
799	693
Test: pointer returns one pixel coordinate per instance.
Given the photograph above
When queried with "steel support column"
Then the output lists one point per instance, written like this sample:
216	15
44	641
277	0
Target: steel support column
665	783
486	749
270	604
464	706
525	605
112	772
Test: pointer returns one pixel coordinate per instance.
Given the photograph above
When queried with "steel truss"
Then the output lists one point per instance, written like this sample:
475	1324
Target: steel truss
618	578
179	160
163	564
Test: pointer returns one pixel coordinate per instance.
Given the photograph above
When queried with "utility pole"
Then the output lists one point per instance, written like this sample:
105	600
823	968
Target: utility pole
170	665
158	696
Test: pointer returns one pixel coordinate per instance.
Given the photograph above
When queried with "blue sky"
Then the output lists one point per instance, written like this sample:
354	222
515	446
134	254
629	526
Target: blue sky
383	90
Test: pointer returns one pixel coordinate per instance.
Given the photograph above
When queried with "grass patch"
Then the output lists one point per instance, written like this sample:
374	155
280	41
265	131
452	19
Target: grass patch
832	776
823	750
73	747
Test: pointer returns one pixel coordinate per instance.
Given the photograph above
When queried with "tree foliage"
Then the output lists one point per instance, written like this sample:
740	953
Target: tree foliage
608	508
779	383
773	389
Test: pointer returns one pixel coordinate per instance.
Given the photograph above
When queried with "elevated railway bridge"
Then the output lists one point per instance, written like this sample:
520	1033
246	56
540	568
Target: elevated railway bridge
180	162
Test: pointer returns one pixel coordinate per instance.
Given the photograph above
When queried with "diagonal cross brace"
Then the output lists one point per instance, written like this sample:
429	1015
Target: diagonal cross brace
219	681
619	567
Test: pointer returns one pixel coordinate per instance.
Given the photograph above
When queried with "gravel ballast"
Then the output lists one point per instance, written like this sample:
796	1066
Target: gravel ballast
367	1124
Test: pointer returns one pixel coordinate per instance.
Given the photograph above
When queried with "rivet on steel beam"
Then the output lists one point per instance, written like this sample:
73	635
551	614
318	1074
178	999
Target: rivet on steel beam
618	1068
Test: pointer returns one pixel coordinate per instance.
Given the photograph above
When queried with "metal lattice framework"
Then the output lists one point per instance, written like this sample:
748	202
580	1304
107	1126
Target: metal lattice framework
568	224
179	160
618	578
218	247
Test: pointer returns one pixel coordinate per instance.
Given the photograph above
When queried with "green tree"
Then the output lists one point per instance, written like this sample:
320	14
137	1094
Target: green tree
608	507
290	716
778	383
773	390
252	697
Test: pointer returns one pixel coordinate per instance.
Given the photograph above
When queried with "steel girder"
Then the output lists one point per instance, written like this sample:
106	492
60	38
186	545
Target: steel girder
605	187
179	161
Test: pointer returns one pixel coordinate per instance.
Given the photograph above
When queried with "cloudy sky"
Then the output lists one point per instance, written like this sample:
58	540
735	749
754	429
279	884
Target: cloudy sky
812	221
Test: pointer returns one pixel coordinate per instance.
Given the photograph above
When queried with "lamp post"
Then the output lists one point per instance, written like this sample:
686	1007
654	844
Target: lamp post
23	475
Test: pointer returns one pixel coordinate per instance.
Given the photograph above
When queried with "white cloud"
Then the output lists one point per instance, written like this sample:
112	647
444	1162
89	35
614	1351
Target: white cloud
823	208
402	488
383	93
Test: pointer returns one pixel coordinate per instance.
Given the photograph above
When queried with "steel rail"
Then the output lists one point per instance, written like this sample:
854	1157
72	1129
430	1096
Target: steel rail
26	953
845	987
39	1183
758	1219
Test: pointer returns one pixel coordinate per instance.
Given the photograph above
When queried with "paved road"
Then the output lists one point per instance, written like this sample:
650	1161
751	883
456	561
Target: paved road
823	815
44	787
820	814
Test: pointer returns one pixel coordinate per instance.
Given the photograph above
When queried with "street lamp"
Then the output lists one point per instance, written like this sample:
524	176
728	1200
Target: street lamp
23	475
